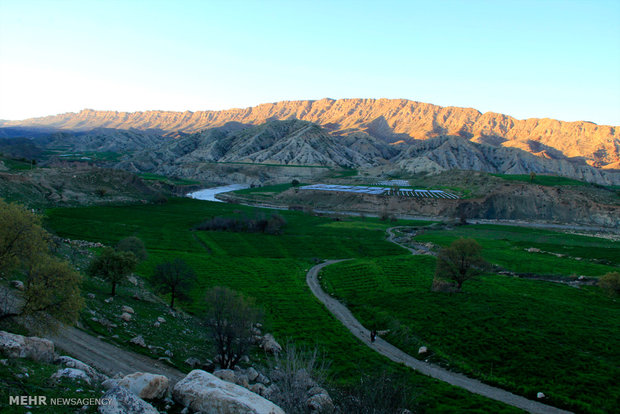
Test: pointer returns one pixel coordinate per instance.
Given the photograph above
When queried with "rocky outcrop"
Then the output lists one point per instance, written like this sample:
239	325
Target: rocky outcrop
72	374
18	346
145	385
69	362
122	401
201	391
388	120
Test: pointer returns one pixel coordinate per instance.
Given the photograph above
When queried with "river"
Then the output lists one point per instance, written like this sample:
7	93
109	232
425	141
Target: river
208	194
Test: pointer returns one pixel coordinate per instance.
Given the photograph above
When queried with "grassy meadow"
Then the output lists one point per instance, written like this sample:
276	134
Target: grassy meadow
269	268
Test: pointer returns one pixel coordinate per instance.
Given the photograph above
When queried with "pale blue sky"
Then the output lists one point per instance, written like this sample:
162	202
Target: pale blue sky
557	59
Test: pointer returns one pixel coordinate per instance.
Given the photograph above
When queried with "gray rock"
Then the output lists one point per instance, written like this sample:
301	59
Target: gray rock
168	353
270	345
18	346
69	362
126	317
71	373
422	350
156	324
252	374
110	383
192	362
201	391
109	300
225	375
161	319
122	401
138	340
17	284
145	385
259	389
90	296
127	309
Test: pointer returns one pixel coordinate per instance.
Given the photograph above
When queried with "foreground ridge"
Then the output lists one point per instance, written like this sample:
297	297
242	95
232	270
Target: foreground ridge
385	348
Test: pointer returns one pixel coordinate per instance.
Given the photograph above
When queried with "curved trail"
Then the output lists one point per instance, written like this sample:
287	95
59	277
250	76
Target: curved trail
385	348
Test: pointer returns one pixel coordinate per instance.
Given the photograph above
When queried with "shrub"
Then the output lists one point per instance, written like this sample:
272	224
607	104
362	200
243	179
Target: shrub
610	283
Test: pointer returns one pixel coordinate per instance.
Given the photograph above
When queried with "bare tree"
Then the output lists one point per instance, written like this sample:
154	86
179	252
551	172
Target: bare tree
230	318
295	370
174	277
384	393
460	262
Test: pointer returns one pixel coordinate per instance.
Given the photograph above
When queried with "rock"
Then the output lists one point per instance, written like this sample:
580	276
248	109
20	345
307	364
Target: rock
422	350
90	296
17	284
145	385
168	353
225	375
138	340
71	373
533	250
110	383
127	309
18	346
263	379
122	401
252	374
540	395
201	391
109	300
241	379
156	324
245	359
126	317
160	319
270	345
259	389
165	359
192	362
135	296
321	402
4	362
69	362
133	280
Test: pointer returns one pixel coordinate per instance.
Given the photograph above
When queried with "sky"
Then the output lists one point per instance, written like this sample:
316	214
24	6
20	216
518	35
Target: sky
555	59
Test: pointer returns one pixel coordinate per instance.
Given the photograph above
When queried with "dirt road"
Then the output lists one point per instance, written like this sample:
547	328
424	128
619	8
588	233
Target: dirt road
396	355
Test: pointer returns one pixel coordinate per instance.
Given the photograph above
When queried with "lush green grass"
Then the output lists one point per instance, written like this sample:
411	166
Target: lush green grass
269	268
275	188
527	336
163	178
16	164
506	246
548	180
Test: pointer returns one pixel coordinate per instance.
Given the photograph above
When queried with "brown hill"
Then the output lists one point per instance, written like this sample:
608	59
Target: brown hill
391	120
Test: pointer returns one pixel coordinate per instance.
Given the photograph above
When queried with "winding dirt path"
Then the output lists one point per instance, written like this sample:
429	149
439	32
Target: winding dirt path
108	358
385	348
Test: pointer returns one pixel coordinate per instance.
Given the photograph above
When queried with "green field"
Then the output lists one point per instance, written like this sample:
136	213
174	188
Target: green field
524	335
17	164
506	246
549	180
272	270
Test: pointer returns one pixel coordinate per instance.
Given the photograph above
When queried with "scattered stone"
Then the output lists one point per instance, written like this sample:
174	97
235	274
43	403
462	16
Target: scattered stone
69	362
110	383
245	359
156	324
168	353
252	374
126	317
136	297
165	359
133	280
17	284
18	346
201	391
122	401
160	319
71	373
193	362
109	300
320	402
127	309
422	350
540	395
138	340
270	345
533	250
4	362
90	296
146	385
225	375
259	389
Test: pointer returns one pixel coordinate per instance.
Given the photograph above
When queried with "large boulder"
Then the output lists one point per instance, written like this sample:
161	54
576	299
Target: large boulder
201	391
122	401
127	309
72	374
138	340
32	347
145	385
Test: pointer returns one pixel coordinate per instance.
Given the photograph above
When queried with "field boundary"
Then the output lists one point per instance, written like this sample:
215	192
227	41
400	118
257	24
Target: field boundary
384	348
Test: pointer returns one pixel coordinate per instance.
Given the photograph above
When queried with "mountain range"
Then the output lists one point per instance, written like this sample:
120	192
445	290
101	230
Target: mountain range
391	121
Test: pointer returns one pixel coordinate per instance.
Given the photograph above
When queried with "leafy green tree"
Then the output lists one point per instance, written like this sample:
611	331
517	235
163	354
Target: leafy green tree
175	277
459	262
230	318
134	245
295	182
21	237
610	283
112	266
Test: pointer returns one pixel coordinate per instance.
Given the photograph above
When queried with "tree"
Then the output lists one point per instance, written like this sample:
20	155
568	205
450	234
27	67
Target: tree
532	176
610	283
230	318
295	182
377	393
460	262
134	245
112	266
21	237
174	277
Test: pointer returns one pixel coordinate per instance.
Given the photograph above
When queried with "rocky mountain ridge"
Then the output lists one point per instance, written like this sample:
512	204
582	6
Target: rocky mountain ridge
388	120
